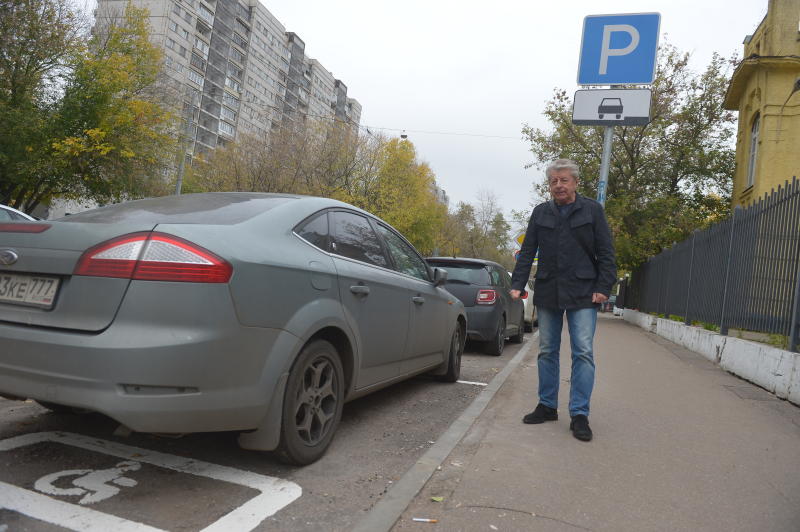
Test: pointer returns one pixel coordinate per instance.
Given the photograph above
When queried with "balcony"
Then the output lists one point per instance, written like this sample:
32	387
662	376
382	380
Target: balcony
204	13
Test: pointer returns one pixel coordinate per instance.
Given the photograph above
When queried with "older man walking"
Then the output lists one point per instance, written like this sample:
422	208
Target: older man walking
575	274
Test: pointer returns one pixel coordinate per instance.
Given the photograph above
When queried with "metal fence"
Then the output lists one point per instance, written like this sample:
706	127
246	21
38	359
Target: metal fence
741	273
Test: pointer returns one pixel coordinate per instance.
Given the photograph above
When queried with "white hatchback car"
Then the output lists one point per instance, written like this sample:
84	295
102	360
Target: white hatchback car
531	319
9	214
529	309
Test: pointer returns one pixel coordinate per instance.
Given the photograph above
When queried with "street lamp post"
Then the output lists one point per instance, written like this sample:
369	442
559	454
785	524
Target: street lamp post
185	143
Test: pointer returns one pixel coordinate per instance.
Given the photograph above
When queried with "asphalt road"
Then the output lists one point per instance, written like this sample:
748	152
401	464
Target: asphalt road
74	471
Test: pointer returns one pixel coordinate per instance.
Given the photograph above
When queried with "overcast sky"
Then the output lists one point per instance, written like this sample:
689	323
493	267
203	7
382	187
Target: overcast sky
482	68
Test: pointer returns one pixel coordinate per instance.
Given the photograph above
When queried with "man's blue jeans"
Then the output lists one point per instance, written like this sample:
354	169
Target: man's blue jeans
581	323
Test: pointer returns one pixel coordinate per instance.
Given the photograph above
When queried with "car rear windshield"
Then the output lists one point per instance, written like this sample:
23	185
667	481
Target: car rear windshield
213	209
466	272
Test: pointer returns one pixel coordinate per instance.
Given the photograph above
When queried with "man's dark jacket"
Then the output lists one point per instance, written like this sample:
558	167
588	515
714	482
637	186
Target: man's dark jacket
566	275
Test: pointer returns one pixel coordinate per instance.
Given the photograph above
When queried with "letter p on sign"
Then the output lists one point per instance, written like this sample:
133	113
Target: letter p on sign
619	49
606	50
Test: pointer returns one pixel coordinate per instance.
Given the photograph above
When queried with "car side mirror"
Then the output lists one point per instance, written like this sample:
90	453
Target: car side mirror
439	276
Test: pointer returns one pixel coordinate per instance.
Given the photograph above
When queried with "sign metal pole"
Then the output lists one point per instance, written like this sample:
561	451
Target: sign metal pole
604	163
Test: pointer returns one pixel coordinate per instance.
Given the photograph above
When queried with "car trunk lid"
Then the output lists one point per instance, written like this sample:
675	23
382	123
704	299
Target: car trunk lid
41	261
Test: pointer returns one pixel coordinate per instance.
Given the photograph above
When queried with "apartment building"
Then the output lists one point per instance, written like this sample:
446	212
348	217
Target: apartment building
234	69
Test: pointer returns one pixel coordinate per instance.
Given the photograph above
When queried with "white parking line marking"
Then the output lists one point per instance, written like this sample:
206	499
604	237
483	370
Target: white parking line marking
64	514
474	383
275	492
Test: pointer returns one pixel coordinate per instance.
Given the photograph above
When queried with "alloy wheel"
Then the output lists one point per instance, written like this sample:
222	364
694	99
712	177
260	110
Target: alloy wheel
316	401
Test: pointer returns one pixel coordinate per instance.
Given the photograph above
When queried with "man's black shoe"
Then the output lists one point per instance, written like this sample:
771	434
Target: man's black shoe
580	427
541	414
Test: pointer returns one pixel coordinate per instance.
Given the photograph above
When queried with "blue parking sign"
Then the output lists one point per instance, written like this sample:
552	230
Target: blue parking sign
619	49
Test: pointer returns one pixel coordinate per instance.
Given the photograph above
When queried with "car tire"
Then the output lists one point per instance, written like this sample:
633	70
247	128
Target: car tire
517	338
62	409
312	404
454	357
495	345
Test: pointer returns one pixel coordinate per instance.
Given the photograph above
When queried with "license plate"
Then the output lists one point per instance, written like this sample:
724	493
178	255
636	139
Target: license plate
31	290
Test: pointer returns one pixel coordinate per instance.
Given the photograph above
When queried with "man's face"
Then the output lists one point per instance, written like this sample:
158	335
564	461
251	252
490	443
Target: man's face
563	186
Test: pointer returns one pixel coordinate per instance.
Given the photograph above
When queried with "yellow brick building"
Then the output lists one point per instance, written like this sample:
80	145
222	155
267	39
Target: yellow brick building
765	89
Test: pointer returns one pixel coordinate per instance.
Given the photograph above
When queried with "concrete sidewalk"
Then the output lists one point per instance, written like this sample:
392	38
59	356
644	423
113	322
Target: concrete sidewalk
679	444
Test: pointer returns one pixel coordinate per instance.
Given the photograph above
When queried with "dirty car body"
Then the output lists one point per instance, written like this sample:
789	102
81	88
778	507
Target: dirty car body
222	312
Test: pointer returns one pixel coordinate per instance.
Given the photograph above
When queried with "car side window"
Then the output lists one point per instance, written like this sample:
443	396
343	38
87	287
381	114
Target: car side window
494	274
354	238
315	231
405	259
505	280
5	215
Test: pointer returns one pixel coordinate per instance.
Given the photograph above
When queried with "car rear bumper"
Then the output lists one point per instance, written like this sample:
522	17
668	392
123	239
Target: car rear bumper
482	322
168	371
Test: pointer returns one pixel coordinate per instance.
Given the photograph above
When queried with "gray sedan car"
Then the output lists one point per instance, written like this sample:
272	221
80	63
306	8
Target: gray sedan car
259	313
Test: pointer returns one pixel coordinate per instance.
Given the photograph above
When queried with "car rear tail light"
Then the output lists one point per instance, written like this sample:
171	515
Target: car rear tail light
486	297
24	227
153	257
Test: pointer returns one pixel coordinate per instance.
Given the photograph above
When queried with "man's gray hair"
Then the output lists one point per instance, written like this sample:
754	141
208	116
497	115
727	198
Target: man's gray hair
562	164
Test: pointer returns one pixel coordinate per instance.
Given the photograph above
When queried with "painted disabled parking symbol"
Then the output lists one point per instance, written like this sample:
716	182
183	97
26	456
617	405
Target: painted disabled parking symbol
94	485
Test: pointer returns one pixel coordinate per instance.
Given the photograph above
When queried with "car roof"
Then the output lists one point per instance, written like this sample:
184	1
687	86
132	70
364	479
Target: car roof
15	211
209	208
465	260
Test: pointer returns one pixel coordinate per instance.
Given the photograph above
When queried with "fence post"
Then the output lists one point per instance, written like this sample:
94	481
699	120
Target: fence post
669	274
687	320
723	327
793	331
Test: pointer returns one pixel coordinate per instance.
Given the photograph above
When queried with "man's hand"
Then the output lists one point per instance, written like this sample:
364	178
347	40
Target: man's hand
597	297
515	294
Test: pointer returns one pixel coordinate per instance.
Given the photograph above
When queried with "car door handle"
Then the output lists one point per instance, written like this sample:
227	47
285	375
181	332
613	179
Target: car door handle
418	300
360	289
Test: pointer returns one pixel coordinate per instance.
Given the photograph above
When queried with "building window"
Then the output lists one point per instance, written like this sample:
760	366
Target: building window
205	14
753	155
230	100
240	41
234	71
202	46
194	76
233	84
226	128
198	62
227	114
236	55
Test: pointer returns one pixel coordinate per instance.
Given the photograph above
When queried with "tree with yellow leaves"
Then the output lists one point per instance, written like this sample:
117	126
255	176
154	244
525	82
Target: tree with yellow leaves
94	129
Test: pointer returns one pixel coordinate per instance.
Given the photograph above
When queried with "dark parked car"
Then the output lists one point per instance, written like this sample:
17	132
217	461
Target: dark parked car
483	287
220	312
